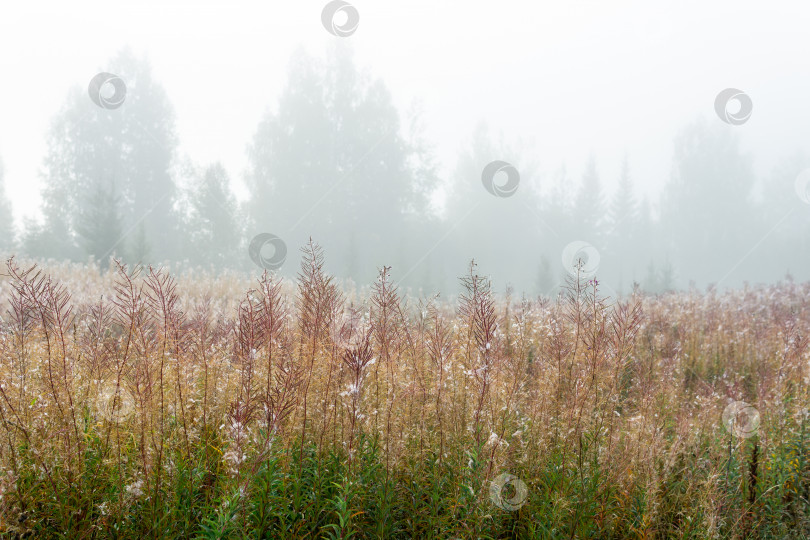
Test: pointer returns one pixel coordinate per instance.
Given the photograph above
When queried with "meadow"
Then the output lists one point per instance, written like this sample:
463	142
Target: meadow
143	403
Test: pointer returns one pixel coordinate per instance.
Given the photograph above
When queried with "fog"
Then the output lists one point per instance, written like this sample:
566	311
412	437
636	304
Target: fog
658	145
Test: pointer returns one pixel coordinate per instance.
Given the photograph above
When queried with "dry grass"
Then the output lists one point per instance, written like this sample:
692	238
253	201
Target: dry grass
134	404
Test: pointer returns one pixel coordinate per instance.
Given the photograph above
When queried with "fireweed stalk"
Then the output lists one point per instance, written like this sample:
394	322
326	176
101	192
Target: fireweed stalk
139	403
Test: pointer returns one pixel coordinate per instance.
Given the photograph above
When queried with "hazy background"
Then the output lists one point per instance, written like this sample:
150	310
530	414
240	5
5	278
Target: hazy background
250	117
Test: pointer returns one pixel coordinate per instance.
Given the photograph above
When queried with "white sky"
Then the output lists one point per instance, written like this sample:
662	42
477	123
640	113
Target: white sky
574	77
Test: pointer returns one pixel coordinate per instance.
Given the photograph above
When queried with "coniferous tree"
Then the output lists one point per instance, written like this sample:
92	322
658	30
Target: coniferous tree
623	228
96	155
139	249
589	207
214	234
623	212
706	207
783	220
652	282
331	163
487	226
99	225
545	276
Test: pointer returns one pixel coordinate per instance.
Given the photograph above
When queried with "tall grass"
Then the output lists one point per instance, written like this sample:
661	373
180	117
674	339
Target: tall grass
153	406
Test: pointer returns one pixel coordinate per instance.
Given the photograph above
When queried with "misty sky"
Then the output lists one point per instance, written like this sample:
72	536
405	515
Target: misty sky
570	78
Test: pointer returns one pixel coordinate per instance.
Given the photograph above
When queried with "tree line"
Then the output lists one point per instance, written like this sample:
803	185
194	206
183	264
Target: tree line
335	160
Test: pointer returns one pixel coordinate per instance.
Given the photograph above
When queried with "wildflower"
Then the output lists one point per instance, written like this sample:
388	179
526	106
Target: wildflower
234	458
494	440
135	488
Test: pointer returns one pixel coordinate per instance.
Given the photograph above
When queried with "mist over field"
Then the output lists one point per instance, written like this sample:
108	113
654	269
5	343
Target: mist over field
332	269
668	143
